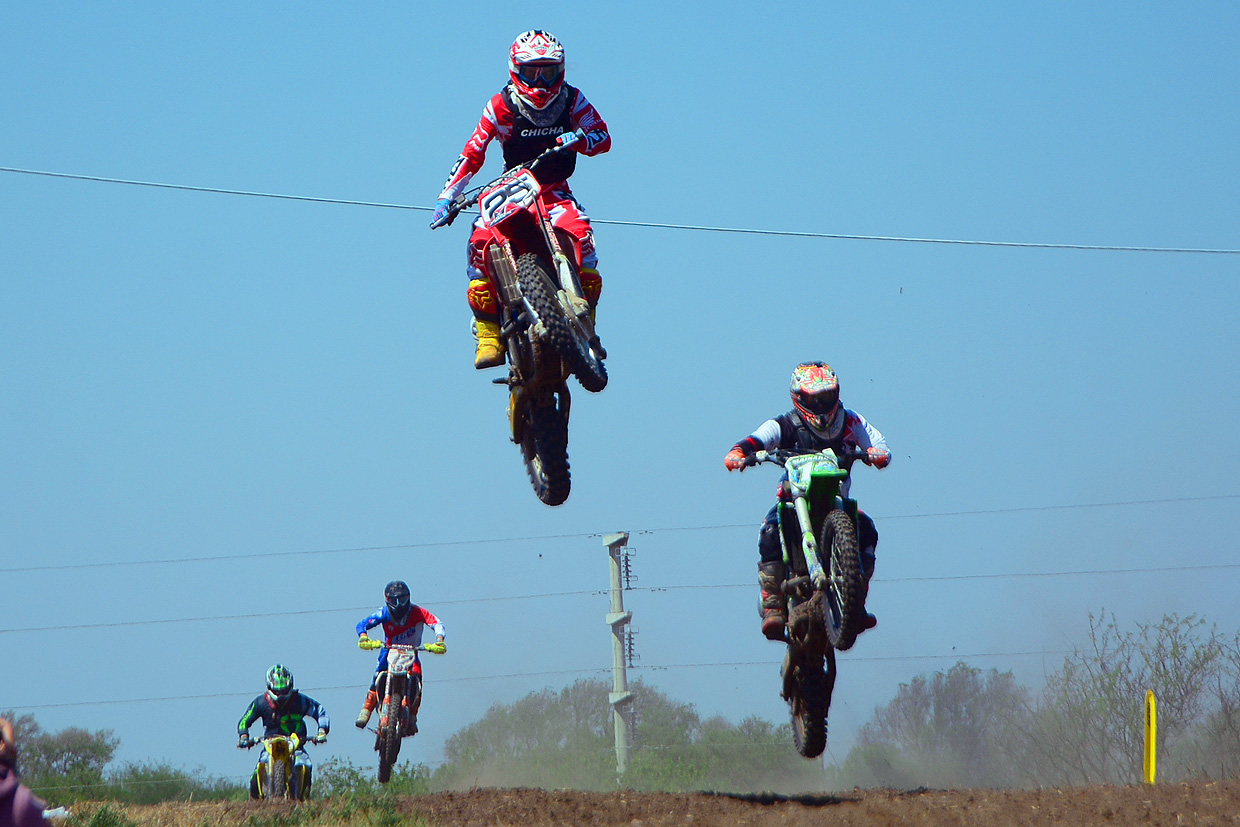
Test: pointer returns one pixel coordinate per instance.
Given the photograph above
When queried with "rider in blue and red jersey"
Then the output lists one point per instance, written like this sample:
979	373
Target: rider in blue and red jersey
817	421
535	111
402	622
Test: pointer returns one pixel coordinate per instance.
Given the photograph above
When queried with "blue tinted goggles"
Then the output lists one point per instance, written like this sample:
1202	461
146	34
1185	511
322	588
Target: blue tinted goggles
542	76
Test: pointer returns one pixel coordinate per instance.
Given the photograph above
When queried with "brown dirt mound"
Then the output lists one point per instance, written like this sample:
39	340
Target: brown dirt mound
1197	803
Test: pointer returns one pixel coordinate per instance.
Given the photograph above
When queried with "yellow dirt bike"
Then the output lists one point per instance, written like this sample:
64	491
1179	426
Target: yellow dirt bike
400	690
277	774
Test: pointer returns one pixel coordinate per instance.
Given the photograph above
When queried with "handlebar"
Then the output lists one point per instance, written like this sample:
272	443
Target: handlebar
469	198
780	456
298	742
433	648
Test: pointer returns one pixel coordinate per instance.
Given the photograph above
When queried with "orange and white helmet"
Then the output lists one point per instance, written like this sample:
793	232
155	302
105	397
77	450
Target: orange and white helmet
536	66
816	393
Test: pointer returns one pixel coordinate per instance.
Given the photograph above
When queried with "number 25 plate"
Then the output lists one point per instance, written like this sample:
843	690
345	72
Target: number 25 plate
510	196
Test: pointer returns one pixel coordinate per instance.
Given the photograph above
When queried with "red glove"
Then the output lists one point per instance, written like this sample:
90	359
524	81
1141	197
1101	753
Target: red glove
735	460
877	457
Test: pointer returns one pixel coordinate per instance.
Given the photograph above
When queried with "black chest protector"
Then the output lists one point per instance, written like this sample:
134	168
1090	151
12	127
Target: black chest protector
808	440
529	139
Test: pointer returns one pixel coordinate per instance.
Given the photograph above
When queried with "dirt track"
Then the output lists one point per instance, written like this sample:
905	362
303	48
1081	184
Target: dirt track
1198	803
1170	805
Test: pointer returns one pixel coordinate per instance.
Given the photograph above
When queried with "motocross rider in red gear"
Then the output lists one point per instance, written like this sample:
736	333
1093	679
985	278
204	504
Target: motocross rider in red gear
535	111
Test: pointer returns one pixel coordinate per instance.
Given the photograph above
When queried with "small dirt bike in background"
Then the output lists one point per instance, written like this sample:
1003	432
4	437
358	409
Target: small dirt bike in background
824	583
277	774
400	691
545	322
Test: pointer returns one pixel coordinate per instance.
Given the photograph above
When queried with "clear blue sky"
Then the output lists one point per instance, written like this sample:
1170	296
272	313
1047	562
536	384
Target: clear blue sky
192	375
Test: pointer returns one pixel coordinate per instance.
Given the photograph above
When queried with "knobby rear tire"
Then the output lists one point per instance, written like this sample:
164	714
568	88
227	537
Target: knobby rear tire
843	610
538	285
808	706
544	448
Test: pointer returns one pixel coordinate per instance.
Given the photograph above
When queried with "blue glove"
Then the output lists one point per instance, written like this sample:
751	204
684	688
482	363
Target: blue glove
569	138
443	216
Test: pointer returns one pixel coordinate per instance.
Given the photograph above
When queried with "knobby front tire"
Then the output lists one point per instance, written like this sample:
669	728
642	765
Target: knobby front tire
389	731
843	612
538	285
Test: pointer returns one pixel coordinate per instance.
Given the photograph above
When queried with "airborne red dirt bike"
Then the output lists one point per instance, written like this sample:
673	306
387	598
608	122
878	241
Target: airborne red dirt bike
545	321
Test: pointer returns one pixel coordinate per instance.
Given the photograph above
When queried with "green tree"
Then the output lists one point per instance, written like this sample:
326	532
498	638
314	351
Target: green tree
62	767
566	739
546	739
74	765
755	755
957	728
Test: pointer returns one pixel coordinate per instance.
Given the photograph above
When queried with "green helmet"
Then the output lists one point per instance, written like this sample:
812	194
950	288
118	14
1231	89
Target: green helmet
279	684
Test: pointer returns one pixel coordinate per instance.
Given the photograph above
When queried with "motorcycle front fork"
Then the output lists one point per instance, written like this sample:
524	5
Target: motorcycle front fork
297	776
806	544
410	701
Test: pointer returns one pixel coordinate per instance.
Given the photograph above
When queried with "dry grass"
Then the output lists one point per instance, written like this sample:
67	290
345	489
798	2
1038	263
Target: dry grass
381	811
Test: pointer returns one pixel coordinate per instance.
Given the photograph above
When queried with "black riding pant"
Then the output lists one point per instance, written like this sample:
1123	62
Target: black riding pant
769	550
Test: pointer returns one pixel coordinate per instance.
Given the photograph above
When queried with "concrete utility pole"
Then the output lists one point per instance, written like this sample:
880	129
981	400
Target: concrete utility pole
618	618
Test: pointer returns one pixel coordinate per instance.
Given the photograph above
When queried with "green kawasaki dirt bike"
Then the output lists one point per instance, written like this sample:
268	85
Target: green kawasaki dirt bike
545	321
824	584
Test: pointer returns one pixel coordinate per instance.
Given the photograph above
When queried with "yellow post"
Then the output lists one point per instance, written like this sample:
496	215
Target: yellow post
1151	734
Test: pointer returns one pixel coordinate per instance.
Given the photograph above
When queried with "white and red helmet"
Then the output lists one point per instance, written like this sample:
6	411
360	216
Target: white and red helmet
536	66
816	393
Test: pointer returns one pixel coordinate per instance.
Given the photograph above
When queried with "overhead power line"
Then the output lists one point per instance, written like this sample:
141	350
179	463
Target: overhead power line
602	671
590	535
217	190
651	224
356	549
293	613
1016	575
916	239
318	689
